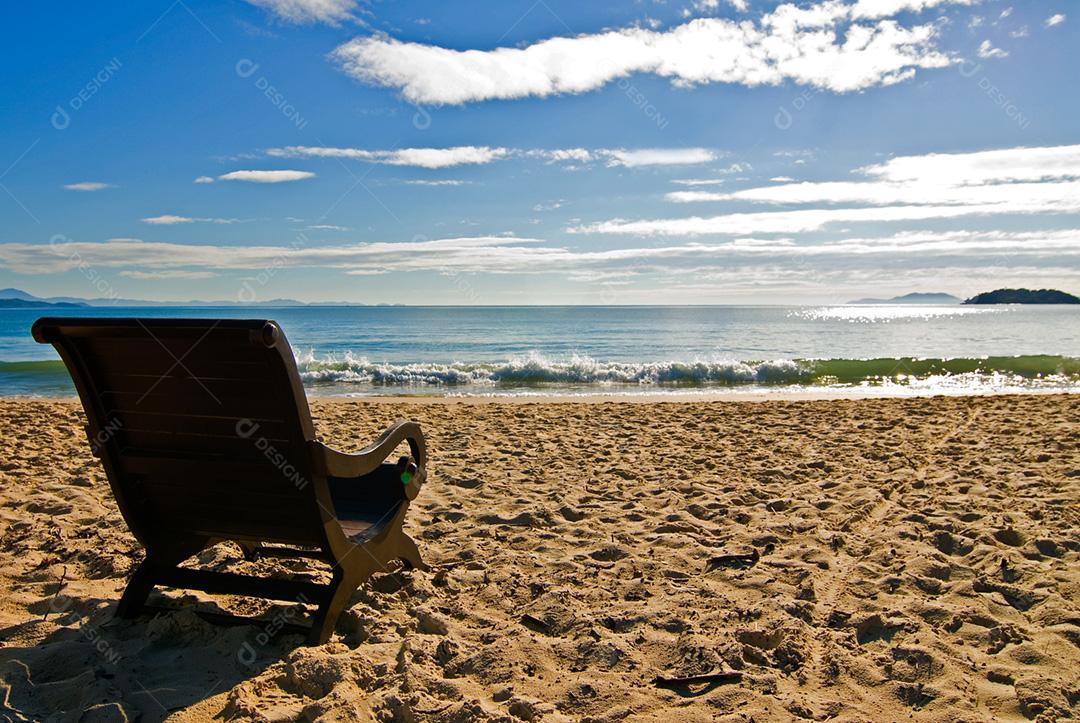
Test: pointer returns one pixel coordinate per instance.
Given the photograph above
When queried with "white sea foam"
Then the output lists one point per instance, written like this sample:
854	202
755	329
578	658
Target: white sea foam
538	369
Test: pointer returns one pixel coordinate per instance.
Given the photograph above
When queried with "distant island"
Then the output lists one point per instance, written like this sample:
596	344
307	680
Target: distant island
36	304
914	298
1023	296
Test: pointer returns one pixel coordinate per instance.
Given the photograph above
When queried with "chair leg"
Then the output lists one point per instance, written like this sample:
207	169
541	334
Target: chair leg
341	589
410	554
137	590
250	549
144	578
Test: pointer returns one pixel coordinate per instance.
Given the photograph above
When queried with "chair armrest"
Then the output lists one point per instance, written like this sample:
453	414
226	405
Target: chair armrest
335	463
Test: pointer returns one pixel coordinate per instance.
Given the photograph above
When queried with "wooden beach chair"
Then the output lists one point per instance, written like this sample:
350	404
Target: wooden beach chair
205	435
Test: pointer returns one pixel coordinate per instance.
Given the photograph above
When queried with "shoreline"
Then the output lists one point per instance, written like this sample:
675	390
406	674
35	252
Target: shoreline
629	398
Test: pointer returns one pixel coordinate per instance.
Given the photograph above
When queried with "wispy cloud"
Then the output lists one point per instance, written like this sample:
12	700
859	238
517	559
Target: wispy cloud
816	45
711	6
657	157
987	51
331	12
1022	163
563	155
442	182
626	157
266	176
908	188
172	220
1056	19
419	157
434	158
509	254
175	274
874	9
204	179
87	186
692	182
1000	176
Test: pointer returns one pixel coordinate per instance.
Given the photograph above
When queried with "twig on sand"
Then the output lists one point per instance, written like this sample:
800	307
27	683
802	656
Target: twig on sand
63	577
534	623
661	681
735	561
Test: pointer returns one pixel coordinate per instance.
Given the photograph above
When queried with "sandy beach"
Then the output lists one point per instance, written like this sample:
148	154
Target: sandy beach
849	560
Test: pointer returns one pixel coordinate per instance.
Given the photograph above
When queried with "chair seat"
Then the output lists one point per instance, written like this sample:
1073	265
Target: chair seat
364	505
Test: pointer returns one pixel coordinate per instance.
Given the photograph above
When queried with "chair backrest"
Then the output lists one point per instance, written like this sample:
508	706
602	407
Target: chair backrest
202	425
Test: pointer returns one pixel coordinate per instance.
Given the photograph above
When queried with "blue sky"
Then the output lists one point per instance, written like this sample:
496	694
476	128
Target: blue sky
703	151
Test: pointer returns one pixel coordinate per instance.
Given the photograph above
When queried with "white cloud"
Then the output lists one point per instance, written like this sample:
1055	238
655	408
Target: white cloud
1005	13
1001	165
698	181
807	45
419	157
154	275
204	179
782	179
562	155
628	158
443	182
806	220
172	220
710	6
167	220
508	254
328	227
266	176
480	155
657	156
908	188
987	50
1056	19
873	9
331	12
474	253
1049	197
87	186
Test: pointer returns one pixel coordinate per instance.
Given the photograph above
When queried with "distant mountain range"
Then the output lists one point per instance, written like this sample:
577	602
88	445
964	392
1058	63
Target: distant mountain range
35	304
1024	296
19	299
914	298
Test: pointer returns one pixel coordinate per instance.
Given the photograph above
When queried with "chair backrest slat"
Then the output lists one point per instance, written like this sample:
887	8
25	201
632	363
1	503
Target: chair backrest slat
202	424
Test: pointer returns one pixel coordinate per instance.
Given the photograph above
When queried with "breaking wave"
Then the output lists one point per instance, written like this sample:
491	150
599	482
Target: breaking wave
535	369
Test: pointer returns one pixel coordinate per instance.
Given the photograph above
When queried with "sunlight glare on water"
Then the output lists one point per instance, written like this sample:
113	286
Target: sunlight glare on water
885	314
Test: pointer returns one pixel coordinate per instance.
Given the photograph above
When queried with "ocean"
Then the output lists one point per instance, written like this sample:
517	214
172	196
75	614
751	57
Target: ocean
728	350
